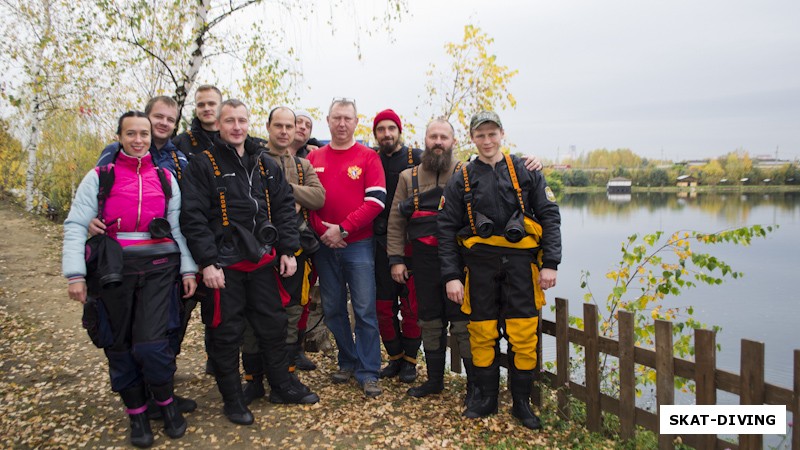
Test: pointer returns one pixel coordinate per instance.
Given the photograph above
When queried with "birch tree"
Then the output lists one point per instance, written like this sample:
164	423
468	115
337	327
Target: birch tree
175	43
473	81
46	51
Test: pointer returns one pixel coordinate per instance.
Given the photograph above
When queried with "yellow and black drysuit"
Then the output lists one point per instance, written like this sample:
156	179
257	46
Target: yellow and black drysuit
501	293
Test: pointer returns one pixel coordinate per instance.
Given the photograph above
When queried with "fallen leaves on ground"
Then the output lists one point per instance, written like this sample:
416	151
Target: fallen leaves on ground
55	393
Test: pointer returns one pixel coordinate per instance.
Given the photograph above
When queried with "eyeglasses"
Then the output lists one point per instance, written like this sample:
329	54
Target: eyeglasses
343	100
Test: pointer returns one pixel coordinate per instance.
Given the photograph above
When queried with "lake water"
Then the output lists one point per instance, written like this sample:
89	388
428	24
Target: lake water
763	306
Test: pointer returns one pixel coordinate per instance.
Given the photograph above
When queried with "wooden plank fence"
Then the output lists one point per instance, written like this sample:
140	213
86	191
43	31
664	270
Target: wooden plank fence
749	385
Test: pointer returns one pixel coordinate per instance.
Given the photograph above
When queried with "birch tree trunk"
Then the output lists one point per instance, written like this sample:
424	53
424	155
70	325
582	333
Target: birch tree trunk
37	108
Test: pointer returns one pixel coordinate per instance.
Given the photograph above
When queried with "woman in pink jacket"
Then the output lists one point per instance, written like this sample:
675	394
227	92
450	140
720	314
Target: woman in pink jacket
140	206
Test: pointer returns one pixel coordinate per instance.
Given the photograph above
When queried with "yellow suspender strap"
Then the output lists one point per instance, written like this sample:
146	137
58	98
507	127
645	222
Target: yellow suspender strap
220	190
301	182
468	198
514	181
266	189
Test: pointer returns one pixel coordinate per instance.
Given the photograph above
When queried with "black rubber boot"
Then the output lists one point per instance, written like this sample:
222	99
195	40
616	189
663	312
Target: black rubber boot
520	384
408	370
234	407
135	400
488	381
185	405
141	434
174	423
434	360
297	383
292	392
253	388
473	393
253	376
301	361
393	368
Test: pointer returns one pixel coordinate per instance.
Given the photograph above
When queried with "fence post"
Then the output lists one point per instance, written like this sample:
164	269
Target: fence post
752	387
705	364
627	377
665	375
796	403
562	356
592	351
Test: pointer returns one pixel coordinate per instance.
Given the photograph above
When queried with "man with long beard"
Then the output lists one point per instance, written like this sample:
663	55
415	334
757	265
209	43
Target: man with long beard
401	338
413	220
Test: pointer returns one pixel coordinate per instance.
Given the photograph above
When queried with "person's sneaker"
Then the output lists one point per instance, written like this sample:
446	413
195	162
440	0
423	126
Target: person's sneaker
372	388
342	376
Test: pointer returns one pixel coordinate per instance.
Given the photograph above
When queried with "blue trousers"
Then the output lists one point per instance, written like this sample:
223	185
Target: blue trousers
353	267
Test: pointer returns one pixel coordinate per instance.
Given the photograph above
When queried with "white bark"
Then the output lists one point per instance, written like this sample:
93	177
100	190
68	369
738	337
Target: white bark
37	112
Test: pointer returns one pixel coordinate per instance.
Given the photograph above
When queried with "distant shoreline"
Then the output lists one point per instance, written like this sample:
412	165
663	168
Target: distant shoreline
699	189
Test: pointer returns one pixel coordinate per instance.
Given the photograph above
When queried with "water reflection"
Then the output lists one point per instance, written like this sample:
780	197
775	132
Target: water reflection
761	306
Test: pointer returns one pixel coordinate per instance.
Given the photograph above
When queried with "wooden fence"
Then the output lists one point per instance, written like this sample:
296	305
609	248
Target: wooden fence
749	385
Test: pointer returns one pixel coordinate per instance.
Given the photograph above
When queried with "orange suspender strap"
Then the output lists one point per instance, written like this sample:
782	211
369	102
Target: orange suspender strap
515	182
415	187
221	190
410	156
191	136
177	165
468	198
266	189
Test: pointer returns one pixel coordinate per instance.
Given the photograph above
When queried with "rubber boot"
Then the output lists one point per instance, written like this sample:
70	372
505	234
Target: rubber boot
434	361
393	368
301	361
473	393
136	406
520	384
234	407
488	381
395	351
185	405
292	392
408	370
297	383
174	423
285	387
253	377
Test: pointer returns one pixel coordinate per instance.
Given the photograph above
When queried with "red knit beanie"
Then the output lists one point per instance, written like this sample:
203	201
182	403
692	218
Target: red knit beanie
387	114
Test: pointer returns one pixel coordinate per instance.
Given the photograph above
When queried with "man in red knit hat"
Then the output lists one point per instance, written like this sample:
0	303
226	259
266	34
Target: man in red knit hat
401	338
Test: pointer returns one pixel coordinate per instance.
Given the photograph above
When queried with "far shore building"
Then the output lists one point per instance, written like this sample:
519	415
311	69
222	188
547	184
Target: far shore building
687	181
619	185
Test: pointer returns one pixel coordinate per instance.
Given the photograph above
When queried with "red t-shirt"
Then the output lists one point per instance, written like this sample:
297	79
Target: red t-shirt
355	189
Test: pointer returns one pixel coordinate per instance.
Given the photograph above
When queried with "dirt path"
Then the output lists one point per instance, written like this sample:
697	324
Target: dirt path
54	389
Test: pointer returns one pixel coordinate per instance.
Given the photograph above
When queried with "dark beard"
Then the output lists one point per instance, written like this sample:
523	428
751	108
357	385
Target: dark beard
436	163
387	149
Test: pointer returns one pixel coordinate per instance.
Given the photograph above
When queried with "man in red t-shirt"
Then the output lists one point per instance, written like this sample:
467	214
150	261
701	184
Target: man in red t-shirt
355	188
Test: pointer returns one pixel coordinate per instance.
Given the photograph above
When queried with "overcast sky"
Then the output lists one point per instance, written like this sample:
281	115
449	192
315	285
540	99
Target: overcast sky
682	79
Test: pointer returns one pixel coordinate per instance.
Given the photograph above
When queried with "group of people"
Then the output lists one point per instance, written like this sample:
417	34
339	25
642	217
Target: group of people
415	240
